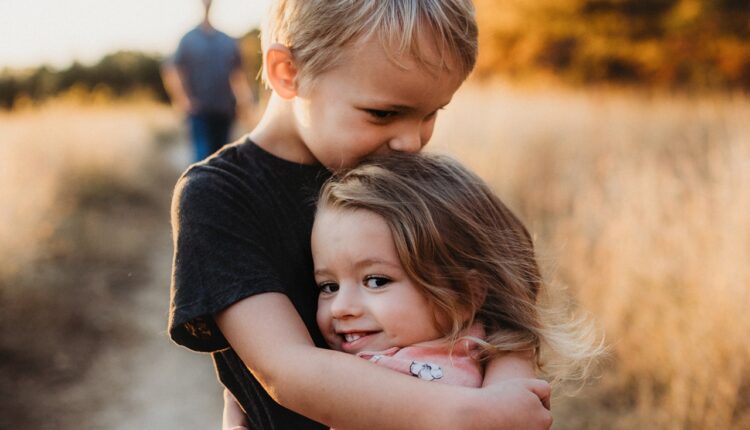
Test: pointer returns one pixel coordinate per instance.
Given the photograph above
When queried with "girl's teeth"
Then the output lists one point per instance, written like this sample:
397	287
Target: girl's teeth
349	337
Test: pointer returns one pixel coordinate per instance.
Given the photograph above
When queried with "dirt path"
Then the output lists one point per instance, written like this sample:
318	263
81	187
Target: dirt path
161	386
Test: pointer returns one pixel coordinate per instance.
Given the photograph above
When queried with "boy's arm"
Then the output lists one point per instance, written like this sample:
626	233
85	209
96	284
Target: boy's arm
242	94
344	391
172	80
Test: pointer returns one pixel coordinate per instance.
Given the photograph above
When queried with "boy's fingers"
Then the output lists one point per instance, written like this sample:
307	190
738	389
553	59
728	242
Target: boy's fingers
542	390
546	402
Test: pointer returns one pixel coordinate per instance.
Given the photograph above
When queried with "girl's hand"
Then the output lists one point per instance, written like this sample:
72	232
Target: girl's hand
233	418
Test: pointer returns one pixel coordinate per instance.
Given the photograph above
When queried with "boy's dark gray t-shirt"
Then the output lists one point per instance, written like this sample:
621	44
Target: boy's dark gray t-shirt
242	221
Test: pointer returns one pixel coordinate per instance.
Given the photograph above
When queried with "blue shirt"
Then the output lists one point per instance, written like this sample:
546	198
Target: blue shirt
206	58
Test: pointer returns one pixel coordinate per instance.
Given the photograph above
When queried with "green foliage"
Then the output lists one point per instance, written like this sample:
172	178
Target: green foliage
120	73
668	43
252	60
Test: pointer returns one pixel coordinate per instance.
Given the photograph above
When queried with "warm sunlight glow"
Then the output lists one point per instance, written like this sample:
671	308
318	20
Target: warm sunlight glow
57	33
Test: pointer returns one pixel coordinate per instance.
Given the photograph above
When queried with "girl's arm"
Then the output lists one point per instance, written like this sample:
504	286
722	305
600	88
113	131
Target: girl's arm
344	391
233	417
511	366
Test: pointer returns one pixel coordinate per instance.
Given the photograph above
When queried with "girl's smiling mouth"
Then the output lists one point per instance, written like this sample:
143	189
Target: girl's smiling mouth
355	341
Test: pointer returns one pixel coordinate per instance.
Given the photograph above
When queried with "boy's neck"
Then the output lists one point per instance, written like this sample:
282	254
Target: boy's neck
277	134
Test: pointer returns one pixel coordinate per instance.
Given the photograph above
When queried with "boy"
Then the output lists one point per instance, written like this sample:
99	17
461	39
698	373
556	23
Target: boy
350	78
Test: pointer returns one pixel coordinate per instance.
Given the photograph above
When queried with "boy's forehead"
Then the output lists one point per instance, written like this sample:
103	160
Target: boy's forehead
425	54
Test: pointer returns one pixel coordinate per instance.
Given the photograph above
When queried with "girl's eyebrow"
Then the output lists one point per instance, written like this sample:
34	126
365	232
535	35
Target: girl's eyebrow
375	261
323	271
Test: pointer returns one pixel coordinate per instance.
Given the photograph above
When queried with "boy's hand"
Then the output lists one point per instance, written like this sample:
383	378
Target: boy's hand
514	404
233	418
512	377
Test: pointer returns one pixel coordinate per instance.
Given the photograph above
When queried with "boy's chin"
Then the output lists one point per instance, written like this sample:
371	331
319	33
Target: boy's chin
340	164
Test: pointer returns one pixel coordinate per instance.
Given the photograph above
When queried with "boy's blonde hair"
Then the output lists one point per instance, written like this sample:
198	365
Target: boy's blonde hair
316	30
471	256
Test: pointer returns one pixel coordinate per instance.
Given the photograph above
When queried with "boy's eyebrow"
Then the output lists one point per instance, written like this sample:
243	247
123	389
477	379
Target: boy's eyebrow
398	107
384	106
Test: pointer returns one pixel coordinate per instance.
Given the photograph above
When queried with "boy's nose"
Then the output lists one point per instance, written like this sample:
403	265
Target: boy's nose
346	304
413	136
407	141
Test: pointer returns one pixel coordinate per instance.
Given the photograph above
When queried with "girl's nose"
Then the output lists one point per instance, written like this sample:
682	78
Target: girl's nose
346	304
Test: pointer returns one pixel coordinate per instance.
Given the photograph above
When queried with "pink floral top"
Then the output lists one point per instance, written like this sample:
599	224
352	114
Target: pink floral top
435	360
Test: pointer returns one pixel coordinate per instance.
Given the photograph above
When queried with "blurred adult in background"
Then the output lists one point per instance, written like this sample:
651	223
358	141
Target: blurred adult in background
206	82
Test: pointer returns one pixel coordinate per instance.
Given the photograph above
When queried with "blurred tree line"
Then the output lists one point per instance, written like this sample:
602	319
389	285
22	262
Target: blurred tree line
690	44
118	75
686	44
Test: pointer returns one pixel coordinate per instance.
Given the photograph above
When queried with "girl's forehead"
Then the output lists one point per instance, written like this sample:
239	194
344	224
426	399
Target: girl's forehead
333	212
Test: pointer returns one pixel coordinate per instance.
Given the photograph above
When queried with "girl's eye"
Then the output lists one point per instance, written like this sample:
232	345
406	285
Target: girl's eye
328	287
376	282
381	114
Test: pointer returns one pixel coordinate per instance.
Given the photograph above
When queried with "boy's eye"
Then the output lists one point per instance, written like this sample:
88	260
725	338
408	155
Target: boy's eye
376	282
434	114
328	287
381	114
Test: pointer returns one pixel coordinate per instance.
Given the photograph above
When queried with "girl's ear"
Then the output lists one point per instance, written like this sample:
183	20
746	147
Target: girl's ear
281	71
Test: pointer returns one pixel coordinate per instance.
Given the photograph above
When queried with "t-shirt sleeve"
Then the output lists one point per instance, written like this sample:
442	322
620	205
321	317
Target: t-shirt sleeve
220	257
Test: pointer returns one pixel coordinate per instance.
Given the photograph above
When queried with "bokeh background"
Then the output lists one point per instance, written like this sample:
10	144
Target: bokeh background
619	130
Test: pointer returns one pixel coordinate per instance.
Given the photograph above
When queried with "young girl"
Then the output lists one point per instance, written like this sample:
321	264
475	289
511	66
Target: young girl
416	259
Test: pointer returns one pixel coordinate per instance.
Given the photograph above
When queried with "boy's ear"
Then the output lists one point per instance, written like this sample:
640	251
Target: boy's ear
281	71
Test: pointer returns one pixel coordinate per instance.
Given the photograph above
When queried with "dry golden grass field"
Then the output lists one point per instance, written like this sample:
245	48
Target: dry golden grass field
85	196
52	153
639	205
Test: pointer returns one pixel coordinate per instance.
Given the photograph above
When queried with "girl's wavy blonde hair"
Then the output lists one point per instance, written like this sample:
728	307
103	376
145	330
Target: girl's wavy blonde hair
316	30
471	256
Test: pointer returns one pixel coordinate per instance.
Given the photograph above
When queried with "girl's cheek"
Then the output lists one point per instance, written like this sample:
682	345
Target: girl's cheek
322	317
